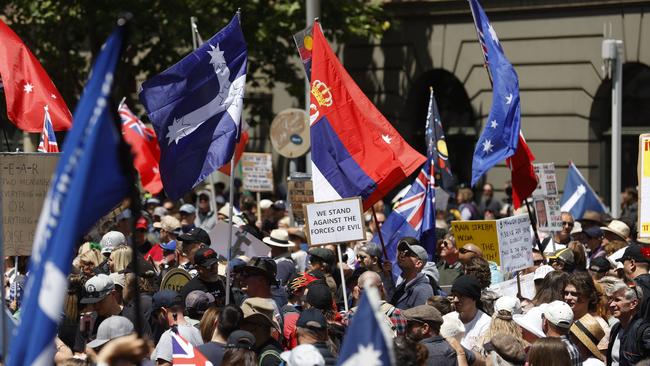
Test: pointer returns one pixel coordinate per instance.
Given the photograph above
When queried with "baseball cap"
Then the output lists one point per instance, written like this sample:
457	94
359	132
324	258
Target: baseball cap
319	296
118	279
111	328
170	224
241	339
324	254
600	265
565	255
112	240
312	318
531	321
169	246
507	305
303	355
97	288
507	347
542	271
264	204
412	244
423	313
166	299
593	232
559	313
633	251
196	235
199	300
372	250
153	201
142	224
159	211
187	208
205	257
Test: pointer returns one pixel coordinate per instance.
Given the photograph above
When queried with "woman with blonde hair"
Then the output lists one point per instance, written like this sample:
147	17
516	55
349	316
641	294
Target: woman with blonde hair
88	261
504	308
120	258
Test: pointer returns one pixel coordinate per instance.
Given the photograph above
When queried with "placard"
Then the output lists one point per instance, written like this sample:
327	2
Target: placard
515	243
644	186
482	233
546	180
257	172
300	192
243	242
335	221
24	182
548	214
509	287
175	279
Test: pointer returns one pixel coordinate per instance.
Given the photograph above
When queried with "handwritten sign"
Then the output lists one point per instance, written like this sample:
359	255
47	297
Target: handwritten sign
24	181
257	172
482	233
515	243
548	213
300	192
644	185
509	287
335	221
243	243
546	180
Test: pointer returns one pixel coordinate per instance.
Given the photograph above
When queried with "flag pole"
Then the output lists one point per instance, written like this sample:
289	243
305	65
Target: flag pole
533	223
231	199
381	237
343	286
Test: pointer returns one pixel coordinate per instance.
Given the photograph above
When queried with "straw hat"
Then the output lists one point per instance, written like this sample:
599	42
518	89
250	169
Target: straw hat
618	228
589	332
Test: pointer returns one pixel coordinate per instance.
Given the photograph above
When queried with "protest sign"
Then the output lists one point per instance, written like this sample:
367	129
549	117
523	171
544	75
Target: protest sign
482	233
509	287
175	279
257	172
548	214
515	243
243	243
300	192
334	221
547	182
24	181
644	186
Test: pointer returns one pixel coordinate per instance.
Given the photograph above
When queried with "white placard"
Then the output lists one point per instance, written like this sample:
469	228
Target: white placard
547	182
335	221
547	211
509	287
257	172
243	243
515	243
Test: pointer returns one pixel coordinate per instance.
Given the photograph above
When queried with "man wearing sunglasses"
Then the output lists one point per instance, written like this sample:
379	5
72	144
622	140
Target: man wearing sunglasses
414	288
449	267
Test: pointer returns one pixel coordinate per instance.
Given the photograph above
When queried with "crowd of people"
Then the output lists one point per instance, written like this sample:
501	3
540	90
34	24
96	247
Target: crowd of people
590	306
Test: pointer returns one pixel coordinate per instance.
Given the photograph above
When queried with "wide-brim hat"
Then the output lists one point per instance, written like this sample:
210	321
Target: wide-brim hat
592	218
618	228
589	332
262	266
278	238
259	310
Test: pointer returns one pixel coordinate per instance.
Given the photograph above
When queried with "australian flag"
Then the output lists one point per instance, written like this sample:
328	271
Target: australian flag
367	341
501	134
578	195
195	107
88	182
48	138
437	147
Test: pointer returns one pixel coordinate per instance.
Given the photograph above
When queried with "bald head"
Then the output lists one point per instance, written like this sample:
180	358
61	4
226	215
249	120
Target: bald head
369	278
469	251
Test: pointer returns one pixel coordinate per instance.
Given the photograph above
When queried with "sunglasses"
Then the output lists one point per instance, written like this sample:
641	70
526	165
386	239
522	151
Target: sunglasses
538	262
465	251
567	223
444	244
361	257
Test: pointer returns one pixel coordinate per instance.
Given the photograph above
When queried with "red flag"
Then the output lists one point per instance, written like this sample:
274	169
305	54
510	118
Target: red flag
144	147
239	149
524	180
28	88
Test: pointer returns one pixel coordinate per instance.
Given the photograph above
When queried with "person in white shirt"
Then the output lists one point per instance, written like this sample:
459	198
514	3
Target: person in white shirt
466	298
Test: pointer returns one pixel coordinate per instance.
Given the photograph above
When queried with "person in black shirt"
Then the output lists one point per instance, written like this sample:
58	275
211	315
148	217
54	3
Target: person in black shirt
208	280
259	319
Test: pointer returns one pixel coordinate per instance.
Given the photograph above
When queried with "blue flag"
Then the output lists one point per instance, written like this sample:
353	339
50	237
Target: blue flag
88	182
367	341
437	147
578	195
195	107
501	134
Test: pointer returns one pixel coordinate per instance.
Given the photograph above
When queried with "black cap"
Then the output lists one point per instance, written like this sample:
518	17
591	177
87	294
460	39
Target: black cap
324	254
166	299
205	257
312	318
467	286
634	252
241	339
196	235
600	265
319	296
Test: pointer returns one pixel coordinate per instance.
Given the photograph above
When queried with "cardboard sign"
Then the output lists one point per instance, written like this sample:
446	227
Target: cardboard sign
335	221
644	186
509	287
547	182
243	243
300	192
482	233
515	243
24	182
175	279
548	213
257	172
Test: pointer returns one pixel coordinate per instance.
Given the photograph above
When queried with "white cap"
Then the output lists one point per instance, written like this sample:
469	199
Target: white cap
264	204
510	304
559	313
118	279
112	240
542	271
188	209
531	321
303	355
111	328
159	211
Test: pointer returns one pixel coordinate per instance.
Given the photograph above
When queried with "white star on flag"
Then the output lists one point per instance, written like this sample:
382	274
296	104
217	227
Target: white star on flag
494	123
493	34
509	98
28	88
487	146
387	138
53	96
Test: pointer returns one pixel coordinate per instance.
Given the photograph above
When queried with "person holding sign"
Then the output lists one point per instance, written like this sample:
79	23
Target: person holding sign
415	288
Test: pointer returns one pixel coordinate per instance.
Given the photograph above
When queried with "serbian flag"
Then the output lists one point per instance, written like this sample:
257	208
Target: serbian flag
357	152
48	138
524	180
144	147
28	88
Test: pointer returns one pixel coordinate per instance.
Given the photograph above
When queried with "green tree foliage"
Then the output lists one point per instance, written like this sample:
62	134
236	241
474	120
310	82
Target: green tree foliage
65	35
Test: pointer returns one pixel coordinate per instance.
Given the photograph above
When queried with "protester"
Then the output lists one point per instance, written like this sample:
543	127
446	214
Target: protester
196	304
415	288
311	328
635	267
259	319
466	206
549	352
552	287
629	340
502	320
393	315
371	257
557	319
303	355
207	280
488	202
205	213
449	266
564	236
503	349
586	333
280	244
563	260
240	350
111	328
466	298
228	320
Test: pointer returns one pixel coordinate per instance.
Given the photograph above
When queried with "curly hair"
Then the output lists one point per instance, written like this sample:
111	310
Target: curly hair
584	284
441	303
479	268
579	255
552	288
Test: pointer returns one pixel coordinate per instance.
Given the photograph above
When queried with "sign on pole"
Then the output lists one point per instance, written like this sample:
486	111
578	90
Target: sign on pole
257	172
335	221
644	186
300	192
545	198
482	233
243	242
24	181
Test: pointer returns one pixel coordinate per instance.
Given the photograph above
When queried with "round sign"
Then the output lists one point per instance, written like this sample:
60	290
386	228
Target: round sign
290	133
175	279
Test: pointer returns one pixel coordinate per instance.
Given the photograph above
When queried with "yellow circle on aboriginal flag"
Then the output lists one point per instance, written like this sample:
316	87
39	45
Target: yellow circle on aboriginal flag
307	41
442	147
